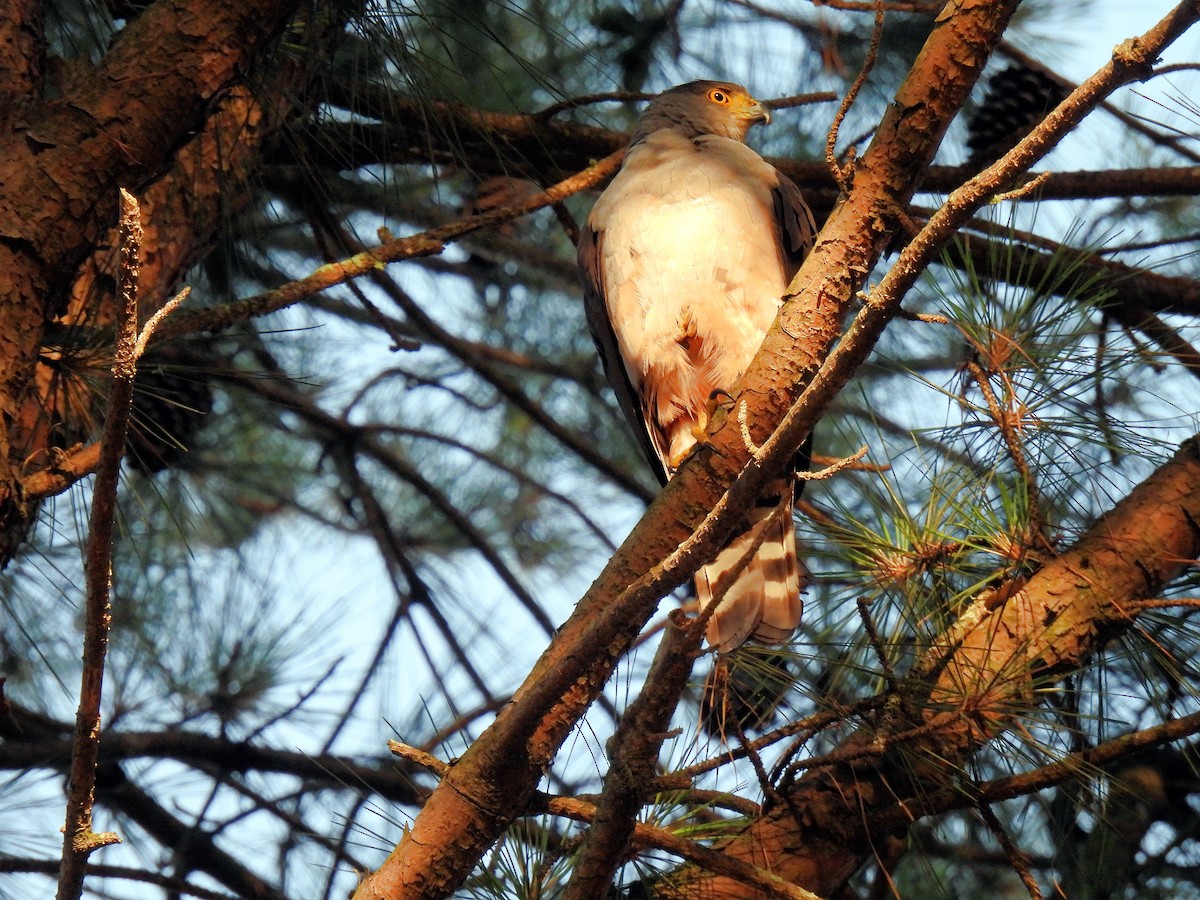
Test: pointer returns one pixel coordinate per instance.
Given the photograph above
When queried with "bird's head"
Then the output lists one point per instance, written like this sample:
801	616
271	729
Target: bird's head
704	107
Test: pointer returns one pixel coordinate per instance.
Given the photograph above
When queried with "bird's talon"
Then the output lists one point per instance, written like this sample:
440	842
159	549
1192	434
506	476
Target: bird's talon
719	397
677	460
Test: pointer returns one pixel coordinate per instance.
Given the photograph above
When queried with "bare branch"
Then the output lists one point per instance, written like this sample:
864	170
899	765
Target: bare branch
427	243
78	838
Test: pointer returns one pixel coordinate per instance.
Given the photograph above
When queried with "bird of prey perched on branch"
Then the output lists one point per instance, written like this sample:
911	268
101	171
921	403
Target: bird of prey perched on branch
685	258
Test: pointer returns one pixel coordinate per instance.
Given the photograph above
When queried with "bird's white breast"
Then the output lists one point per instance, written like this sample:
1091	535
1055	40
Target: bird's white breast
691	247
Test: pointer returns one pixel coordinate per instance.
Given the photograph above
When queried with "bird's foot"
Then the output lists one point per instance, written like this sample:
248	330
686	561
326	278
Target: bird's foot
716	400
699	430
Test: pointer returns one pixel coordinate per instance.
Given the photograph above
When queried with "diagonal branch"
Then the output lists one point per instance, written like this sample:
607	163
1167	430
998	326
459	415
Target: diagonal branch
427	243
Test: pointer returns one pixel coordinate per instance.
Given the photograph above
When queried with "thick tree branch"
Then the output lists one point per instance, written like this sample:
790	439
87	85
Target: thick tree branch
62	160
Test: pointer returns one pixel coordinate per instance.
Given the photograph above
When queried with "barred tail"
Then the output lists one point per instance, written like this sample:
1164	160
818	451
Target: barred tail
763	603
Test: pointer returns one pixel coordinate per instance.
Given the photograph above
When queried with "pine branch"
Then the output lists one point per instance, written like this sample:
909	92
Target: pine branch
381	777
79	841
427	243
527	146
177	886
194	848
985	667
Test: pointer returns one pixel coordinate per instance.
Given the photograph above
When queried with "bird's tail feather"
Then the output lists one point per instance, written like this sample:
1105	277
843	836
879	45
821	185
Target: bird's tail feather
763	603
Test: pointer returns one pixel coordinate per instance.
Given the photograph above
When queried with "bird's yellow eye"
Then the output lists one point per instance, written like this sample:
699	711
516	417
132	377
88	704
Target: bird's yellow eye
716	95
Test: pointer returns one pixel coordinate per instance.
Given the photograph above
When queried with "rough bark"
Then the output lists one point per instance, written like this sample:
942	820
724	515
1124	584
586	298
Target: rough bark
62	160
22	50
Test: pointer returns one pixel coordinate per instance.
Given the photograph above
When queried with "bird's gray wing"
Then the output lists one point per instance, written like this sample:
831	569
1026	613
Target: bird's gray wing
591	266
793	222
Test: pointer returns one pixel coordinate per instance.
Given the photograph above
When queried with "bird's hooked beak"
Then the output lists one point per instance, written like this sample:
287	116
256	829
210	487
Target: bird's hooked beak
755	112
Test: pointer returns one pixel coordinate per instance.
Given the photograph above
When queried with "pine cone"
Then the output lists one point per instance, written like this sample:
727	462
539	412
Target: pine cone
1017	99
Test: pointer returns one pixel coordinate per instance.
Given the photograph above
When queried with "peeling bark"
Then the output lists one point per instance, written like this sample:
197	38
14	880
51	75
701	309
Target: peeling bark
61	162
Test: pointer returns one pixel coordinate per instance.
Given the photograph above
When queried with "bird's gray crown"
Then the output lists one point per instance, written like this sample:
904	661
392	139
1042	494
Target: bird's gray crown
703	107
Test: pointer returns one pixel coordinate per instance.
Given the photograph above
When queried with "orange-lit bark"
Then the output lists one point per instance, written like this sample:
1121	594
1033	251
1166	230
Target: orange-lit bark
62	160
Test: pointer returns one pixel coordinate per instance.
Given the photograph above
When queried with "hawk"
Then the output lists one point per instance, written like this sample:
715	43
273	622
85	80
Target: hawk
685	258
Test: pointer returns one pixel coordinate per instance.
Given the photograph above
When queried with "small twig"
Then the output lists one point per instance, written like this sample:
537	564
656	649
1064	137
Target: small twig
839	172
864	613
801	100
928	318
821	460
155	320
880	745
587	100
65	469
569	226
1171	603
962	795
756	763
744	426
420	757
802	730
833	468
1016	858
1024	190
171	885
